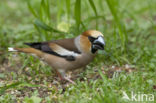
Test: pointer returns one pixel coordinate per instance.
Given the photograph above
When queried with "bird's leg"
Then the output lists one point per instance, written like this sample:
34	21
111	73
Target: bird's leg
59	75
62	76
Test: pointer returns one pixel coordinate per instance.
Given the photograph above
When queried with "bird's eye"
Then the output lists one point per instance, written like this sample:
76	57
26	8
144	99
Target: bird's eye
91	39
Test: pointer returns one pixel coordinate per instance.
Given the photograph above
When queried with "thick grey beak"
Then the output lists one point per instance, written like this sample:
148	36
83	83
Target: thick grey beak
99	43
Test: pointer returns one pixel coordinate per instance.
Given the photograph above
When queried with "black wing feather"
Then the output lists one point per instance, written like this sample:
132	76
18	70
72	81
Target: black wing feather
45	48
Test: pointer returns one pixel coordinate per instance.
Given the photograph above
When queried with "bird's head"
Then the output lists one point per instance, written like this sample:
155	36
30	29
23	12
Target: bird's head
92	40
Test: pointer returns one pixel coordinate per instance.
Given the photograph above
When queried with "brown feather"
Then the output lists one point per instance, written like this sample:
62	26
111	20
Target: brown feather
30	50
67	44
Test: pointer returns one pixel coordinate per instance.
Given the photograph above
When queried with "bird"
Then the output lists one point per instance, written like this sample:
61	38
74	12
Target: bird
67	54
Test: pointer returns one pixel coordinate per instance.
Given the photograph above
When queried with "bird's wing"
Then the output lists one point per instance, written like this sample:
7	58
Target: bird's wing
62	48
67	44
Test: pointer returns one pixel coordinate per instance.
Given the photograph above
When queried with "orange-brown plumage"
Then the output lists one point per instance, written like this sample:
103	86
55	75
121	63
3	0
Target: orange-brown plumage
93	33
86	44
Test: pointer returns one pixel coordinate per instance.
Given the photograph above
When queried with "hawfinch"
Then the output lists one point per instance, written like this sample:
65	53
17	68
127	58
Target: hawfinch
67	54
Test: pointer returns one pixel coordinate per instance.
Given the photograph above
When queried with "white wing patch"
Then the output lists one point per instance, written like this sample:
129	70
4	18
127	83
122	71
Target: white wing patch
62	51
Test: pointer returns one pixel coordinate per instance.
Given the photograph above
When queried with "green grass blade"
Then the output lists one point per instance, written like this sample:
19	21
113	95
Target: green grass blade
68	9
42	25
102	76
31	9
78	12
93	7
122	32
59	9
29	85
45	11
42	10
84	27
45	27
89	19
13	85
48	9
95	11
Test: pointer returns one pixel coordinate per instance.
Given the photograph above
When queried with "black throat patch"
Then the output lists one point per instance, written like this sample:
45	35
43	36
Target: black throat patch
91	39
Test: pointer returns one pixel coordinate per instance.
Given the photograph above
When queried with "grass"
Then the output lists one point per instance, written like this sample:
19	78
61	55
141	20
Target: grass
129	29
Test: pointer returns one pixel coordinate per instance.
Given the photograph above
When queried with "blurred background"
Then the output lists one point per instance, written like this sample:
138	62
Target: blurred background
129	28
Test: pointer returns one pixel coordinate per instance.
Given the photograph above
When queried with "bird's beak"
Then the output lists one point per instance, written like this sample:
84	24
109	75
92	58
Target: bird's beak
99	43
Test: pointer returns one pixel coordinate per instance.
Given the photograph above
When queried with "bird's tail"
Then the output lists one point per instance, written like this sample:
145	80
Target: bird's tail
12	49
26	50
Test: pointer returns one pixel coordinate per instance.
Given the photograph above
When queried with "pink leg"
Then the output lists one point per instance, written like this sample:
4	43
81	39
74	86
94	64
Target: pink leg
63	77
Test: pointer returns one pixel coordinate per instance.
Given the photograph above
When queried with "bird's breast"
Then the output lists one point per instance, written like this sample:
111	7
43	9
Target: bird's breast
61	63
